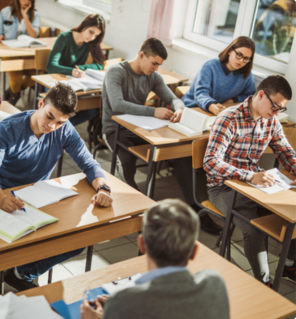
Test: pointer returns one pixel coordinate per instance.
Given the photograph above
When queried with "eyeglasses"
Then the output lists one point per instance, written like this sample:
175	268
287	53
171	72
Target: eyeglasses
275	107
239	56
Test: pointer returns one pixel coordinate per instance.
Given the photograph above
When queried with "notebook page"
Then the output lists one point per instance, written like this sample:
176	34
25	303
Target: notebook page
55	189
11	225
35	196
148	123
14	44
193	119
87	81
99	75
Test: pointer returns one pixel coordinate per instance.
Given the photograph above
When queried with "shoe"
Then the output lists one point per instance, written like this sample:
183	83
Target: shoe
19	284
14	98
208	225
290	272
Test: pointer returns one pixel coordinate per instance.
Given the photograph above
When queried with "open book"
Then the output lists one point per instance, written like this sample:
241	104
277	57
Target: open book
283	117
20	223
282	183
24	41
44	193
93	80
193	123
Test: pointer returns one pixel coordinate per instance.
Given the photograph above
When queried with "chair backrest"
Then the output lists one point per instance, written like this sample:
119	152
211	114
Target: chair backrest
198	152
41	57
110	62
181	90
47	32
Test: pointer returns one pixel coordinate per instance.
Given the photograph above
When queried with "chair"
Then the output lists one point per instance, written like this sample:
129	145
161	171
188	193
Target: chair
198	152
290	133
110	62
181	90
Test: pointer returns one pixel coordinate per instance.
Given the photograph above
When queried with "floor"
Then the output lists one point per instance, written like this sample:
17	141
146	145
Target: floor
123	248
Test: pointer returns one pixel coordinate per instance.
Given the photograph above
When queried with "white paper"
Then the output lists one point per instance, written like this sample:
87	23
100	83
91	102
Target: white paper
10	224
4	115
148	123
99	75
55	189
111	288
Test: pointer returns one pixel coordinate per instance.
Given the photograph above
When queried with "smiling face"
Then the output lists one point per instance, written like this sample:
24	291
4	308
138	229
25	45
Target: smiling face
89	34
49	118
237	57
151	64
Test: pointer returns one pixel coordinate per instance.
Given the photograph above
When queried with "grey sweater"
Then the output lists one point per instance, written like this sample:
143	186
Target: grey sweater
125	92
175	296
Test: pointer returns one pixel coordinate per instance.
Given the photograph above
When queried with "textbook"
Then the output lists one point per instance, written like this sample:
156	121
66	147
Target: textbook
282	183
44	193
24	41
19	223
193	123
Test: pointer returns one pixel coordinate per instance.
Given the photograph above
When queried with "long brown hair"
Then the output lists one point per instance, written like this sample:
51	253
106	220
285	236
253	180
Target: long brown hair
16	9
94	20
240	42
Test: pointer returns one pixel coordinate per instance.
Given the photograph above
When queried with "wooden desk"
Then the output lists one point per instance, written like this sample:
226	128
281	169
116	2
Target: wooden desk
248	297
280	226
8	108
80	224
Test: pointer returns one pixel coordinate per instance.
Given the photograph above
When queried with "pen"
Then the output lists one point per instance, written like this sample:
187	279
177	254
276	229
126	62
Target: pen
12	192
169	107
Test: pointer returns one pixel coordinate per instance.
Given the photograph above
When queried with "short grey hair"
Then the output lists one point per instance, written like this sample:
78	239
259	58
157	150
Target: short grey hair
170	229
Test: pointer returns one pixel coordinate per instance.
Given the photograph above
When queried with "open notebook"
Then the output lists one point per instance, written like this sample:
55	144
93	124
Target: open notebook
44	193
19	223
24	41
193	123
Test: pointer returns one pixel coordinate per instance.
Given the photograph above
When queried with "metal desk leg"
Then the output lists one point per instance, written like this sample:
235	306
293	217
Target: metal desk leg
89	258
35	106
115	148
2	282
150	171
49	281
226	228
284	253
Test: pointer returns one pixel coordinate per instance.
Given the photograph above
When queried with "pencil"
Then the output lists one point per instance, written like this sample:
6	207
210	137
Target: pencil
76	66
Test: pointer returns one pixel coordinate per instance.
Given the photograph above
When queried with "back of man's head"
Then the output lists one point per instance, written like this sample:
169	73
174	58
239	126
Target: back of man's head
170	229
63	98
275	84
153	46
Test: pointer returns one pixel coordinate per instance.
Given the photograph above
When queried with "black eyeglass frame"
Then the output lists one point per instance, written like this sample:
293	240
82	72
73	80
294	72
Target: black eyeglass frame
239	56
275	107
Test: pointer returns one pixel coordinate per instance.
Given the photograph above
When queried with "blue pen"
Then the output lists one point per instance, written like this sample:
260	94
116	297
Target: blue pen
12	192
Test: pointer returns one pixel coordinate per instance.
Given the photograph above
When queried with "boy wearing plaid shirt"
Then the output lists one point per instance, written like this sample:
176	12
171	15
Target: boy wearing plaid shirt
238	138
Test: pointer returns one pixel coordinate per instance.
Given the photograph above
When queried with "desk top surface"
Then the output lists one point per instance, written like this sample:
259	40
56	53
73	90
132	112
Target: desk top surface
248	297
8	108
6	52
282	203
77	212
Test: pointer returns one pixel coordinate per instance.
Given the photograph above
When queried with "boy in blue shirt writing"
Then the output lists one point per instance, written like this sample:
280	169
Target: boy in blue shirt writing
31	143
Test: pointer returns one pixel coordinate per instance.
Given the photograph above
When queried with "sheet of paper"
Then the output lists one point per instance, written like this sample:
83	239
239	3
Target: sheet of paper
87	80
35	196
124	283
99	75
10	224
195	120
4	115
148	123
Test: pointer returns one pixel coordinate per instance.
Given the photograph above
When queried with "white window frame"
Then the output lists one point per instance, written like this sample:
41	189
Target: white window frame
243	26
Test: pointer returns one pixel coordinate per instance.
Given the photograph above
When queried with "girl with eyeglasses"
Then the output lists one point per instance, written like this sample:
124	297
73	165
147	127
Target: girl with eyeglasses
79	47
19	18
226	79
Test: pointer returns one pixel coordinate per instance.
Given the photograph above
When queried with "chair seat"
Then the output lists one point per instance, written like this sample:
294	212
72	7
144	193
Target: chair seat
210	206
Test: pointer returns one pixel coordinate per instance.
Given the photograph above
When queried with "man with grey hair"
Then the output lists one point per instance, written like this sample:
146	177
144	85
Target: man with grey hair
169	237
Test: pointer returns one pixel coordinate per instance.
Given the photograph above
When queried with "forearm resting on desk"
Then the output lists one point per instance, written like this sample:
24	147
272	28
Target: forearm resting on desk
103	197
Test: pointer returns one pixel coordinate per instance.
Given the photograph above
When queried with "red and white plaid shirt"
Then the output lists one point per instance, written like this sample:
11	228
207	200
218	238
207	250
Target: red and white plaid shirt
237	142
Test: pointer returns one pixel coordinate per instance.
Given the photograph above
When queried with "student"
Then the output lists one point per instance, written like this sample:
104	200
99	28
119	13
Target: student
19	18
227	79
169	239
238	138
31	143
125	90
72	49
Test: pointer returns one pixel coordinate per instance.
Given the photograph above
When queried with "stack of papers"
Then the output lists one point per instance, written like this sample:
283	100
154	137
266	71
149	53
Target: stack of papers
282	183
12	306
148	123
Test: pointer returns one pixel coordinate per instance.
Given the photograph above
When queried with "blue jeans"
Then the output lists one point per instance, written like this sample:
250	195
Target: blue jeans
29	271
83	116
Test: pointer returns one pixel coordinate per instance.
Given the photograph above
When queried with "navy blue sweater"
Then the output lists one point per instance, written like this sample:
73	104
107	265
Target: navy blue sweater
214	83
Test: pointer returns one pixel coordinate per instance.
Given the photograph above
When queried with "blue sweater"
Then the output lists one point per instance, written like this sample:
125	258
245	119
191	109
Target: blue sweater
214	83
26	159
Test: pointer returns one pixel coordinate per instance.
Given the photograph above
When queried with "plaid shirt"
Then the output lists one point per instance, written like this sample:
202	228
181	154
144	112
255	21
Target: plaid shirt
237	142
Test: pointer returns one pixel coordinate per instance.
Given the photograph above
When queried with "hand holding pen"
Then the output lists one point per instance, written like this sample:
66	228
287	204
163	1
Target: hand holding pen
18	202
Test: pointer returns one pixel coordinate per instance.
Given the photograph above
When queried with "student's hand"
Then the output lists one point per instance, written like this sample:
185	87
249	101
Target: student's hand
78	73
102	198
102	299
87	312
10	204
24	11
176	116
263	178
163	113
2	37
216	108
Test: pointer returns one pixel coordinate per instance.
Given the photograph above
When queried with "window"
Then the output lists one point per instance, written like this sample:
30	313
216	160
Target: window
90	6
270	23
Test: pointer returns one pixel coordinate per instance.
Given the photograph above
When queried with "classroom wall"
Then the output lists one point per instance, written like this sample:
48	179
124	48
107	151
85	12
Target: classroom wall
127	29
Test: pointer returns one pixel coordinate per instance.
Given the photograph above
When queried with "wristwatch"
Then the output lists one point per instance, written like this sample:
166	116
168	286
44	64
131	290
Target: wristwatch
105	187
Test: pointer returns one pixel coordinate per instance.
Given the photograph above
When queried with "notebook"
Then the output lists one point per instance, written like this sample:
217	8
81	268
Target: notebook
44	193
148	123
19	223
192	123
24	41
